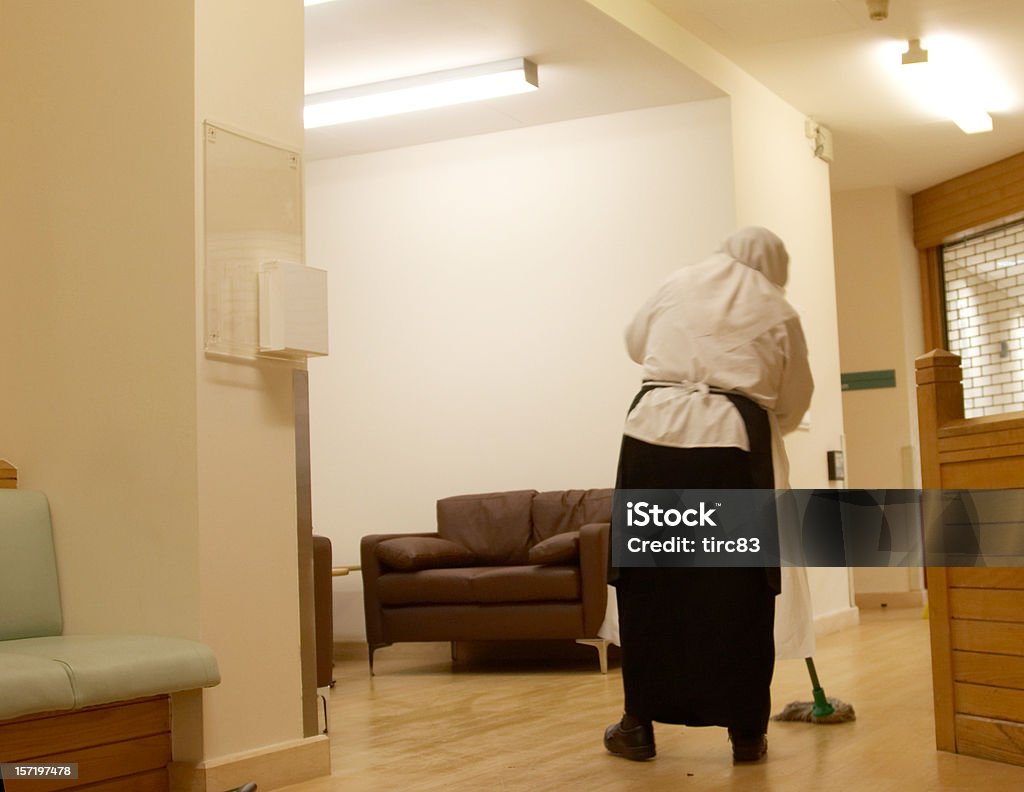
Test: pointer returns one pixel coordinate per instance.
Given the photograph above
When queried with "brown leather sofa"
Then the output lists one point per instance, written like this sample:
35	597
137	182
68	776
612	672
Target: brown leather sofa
520	565
323	611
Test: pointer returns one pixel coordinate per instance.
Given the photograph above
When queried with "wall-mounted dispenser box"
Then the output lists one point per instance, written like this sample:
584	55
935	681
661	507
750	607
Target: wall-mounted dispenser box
836	466
293	310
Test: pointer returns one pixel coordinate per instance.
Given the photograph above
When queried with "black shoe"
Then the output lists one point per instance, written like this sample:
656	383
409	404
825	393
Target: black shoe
748	749
636	743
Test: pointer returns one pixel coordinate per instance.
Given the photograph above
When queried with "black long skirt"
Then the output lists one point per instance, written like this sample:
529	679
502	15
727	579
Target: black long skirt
698	645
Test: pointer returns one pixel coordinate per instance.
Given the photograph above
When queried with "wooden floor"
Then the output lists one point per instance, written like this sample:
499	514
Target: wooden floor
423	724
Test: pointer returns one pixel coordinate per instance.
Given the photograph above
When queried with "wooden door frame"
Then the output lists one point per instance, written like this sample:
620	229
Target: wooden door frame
978	198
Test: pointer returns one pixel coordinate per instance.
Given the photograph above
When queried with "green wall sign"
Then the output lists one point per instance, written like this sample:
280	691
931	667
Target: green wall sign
866	380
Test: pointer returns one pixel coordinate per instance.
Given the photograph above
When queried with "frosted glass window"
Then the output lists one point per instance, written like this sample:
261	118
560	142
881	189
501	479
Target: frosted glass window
983	278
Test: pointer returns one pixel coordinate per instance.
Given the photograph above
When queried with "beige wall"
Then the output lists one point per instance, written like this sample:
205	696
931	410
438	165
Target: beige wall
879	328
778	184
97	295
249	74
480	289
171	477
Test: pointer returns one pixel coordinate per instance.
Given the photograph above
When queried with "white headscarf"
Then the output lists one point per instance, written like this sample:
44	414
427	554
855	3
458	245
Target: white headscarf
760	250
735	295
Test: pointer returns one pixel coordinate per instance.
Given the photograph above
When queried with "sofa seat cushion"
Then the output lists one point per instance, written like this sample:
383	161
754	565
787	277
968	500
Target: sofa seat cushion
32	684
476	585
108	668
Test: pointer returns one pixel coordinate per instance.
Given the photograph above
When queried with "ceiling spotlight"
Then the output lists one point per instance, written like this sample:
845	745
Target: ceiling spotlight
915	53
878	9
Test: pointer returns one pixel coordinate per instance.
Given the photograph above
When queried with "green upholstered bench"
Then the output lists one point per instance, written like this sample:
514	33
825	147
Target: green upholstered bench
55	688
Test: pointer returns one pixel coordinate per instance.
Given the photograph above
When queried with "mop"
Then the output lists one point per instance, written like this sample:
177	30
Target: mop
794	629
822	710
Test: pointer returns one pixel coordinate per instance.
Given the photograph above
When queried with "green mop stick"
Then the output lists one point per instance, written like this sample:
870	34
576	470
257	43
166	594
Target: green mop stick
821	710
821	707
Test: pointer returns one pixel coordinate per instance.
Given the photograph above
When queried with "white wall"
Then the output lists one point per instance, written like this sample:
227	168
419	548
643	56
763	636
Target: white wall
775	182
479	290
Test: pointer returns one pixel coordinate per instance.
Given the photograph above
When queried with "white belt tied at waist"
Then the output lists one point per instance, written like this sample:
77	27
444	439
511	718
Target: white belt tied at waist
676	420
686	385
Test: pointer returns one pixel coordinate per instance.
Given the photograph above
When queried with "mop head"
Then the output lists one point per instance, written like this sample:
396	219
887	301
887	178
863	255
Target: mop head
804	711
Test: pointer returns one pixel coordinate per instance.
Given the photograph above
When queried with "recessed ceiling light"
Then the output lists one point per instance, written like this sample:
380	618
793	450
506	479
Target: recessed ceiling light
946	79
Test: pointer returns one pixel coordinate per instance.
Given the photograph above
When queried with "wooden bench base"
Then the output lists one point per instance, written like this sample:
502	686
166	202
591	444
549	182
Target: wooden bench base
121	747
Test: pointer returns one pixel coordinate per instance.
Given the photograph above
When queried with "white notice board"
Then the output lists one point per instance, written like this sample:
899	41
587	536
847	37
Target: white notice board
253	214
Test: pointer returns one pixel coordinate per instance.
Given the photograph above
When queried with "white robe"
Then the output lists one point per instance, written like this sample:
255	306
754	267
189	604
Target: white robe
724	324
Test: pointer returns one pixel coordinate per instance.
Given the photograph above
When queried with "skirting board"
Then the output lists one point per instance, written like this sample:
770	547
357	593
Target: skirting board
824	624
835	621
270	768
890	599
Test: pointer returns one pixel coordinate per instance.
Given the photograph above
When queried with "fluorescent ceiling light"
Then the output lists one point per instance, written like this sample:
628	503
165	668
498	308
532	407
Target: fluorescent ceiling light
948	81
971	119
421	92
315	2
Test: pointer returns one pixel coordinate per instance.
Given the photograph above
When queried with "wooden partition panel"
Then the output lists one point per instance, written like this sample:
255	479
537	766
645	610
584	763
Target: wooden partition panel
968	201
122	747
976	614
8	475
975	200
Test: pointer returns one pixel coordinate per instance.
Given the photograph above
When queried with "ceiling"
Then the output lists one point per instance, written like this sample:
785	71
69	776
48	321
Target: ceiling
825	57
587	65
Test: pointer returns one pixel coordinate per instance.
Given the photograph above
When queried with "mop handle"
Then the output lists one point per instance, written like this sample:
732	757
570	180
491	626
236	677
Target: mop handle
814	675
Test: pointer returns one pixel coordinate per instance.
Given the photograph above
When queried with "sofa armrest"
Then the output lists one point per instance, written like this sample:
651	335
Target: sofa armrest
370	570
594	575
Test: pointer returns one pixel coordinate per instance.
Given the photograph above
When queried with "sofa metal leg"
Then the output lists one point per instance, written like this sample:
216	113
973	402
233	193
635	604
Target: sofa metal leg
323	700
602	650
373	648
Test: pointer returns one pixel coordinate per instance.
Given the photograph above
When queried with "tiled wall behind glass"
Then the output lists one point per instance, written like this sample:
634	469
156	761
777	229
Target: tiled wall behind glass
984	282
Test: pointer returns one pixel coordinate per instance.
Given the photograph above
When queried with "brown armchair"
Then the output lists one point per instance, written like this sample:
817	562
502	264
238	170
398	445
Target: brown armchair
516	565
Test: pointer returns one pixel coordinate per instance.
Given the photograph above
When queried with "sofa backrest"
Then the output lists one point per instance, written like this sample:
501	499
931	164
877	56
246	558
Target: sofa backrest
495	526
29	594
568	510
501	527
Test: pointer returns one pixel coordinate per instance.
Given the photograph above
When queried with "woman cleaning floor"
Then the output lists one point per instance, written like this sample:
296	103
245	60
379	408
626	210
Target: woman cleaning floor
725	375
